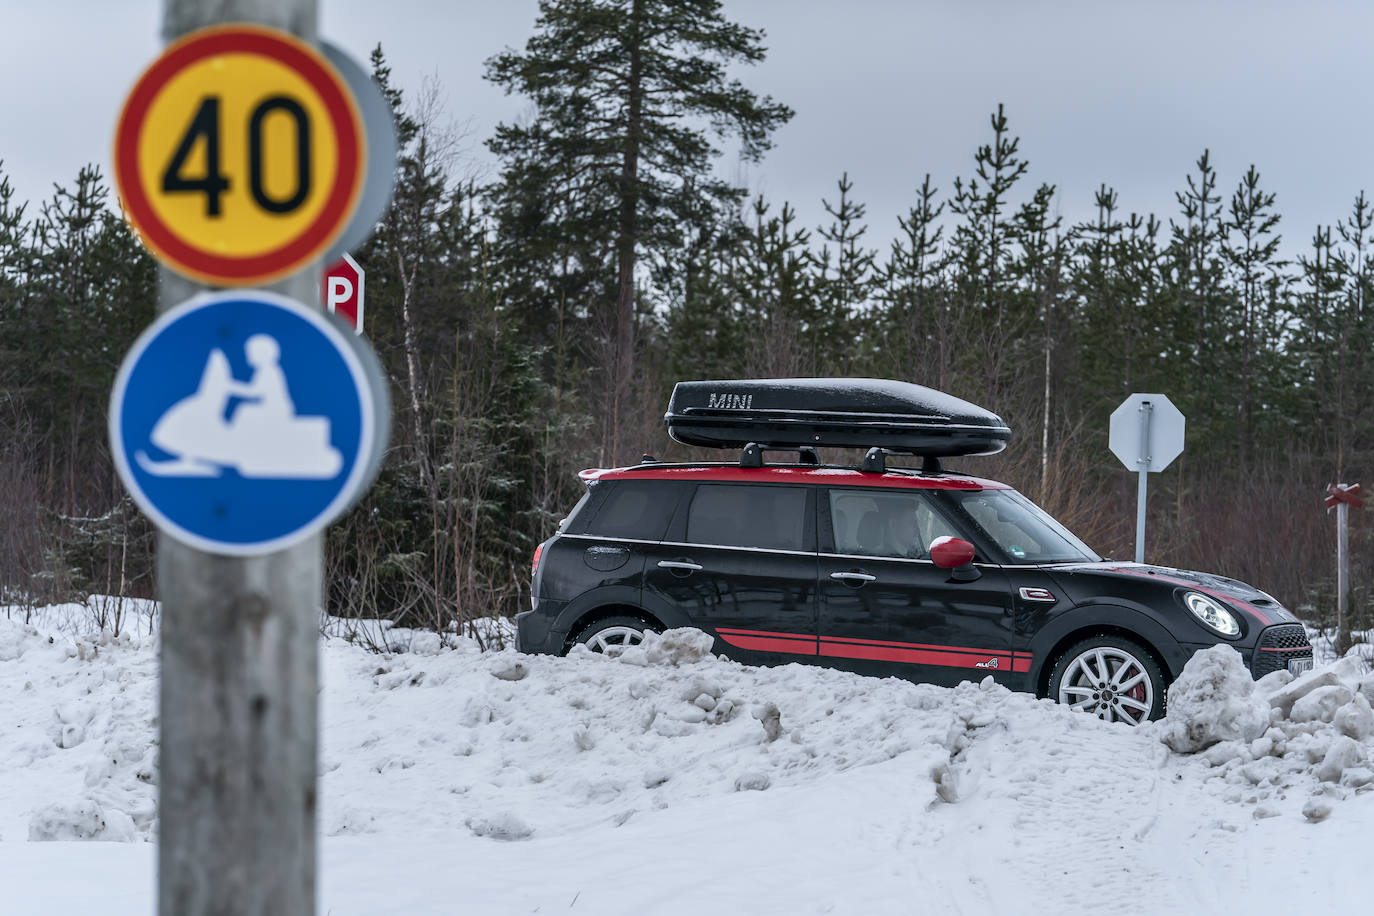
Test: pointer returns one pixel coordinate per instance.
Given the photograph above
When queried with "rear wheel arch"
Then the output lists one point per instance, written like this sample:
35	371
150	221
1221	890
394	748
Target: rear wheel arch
604	612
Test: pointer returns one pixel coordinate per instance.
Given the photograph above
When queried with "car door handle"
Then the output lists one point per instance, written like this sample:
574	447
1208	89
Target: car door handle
679	564
853	577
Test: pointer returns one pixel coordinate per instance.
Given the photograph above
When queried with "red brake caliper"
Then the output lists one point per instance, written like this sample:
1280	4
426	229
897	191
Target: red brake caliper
1137	693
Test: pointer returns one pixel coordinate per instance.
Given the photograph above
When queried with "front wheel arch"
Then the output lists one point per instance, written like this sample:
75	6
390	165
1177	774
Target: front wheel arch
1149	633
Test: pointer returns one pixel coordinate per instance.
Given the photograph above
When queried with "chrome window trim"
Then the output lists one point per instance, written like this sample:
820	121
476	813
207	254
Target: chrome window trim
864	556
794	553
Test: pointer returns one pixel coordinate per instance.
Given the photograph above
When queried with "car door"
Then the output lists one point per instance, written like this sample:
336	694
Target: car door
742	567
885	608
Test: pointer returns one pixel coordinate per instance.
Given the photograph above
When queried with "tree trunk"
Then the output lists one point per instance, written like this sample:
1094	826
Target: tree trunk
626	240
412	370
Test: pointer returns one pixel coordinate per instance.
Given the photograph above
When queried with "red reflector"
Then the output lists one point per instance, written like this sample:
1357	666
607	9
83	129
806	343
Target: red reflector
534	564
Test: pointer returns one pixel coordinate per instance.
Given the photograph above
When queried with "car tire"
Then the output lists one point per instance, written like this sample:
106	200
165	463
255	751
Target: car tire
613	635
1112	677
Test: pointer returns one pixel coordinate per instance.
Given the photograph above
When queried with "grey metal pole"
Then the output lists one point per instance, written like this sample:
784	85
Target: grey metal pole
1140	516
1144	462
1342	566
240	666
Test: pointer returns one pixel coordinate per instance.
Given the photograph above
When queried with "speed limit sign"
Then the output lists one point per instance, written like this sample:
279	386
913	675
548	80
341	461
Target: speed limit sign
240	155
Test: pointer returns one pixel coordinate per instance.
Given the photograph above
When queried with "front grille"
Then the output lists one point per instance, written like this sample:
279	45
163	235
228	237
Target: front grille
1277	645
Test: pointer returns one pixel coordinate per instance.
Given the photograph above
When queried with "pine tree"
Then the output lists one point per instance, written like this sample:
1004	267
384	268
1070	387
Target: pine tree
616	85
1355	261
844	295
1251	221
1194	352
1103	307
981	240
1041	270
702	323
774	281
916	316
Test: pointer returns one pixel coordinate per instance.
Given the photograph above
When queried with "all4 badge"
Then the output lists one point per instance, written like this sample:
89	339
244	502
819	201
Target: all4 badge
243	422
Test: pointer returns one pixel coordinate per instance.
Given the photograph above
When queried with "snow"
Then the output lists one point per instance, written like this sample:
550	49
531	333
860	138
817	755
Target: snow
1214	700
670	781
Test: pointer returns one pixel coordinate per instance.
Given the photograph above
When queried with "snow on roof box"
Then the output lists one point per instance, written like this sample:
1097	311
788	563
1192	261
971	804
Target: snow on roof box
838	412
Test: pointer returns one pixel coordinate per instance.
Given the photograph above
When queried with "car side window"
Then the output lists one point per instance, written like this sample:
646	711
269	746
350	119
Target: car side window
635	509
873	523
740	515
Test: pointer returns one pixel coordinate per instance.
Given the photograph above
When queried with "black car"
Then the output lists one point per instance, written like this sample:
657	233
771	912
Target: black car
914	572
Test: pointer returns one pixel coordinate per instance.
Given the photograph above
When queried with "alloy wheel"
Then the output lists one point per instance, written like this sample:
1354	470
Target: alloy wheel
614	640
1109	682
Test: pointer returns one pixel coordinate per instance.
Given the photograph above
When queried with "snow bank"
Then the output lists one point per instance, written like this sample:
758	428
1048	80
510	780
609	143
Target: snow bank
1312	736
708	784
79	757
1213	700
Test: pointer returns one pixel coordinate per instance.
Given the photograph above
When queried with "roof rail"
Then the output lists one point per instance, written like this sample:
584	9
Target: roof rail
875	462
752	456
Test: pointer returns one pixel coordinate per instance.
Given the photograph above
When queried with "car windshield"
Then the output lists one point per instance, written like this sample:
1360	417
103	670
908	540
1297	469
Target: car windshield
1024	531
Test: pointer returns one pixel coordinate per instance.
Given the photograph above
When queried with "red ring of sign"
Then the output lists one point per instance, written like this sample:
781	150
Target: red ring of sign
344	118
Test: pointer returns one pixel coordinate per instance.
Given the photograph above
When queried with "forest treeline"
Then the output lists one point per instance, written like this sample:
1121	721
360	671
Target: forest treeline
533	324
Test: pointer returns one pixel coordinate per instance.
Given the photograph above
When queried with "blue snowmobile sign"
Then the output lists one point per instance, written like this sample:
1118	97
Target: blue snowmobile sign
242	422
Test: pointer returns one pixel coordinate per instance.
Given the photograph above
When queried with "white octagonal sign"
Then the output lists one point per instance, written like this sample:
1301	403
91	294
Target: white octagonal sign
1147	432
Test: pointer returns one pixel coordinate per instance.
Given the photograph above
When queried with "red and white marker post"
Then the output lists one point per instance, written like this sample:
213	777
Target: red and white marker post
1341	496
343	291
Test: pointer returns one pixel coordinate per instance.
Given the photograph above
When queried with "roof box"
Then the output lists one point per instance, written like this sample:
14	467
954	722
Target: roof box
838	412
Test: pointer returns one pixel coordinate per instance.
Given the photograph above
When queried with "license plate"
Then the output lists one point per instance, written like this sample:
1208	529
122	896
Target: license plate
1299	665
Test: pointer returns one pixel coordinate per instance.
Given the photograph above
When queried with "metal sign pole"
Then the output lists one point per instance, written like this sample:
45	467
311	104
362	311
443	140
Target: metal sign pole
1143	462
240	669
1342	564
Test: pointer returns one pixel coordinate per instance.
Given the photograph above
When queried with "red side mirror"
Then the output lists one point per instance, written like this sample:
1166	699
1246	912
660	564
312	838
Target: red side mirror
951	553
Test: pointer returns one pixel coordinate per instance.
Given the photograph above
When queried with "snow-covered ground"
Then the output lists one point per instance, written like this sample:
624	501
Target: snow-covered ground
669	781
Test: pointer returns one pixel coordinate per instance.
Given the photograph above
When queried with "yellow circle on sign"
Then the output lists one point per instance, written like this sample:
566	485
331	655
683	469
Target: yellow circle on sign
239	225
239	155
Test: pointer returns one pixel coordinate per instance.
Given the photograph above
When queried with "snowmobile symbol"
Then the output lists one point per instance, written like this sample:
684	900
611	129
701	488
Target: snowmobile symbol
242	421
251	427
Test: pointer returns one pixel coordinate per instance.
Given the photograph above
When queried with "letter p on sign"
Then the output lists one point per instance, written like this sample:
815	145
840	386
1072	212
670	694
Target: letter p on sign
343	291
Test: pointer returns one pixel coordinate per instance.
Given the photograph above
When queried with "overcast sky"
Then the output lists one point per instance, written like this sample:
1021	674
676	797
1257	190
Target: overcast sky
1099	91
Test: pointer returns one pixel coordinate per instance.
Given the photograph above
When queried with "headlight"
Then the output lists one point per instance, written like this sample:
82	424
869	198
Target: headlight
1212	613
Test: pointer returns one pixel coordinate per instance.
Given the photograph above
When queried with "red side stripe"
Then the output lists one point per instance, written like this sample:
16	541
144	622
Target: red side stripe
792	643
875	650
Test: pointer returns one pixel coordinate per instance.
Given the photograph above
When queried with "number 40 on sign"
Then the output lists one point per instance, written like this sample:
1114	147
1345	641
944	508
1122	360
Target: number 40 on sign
240	155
